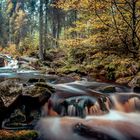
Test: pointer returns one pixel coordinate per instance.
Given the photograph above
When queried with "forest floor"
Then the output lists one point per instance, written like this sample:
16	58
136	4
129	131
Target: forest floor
98	66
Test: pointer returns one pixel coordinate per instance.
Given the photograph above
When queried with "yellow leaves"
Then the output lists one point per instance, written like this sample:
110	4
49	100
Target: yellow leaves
71	42
20	18
74	4
11	49
87	41
99	22
10	7
84	4
67	5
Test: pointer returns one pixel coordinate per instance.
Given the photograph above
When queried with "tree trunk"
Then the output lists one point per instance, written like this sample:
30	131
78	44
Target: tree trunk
41	54
134	44
46	27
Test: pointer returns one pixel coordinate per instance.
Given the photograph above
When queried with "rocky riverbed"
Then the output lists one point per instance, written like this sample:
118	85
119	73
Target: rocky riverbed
36	105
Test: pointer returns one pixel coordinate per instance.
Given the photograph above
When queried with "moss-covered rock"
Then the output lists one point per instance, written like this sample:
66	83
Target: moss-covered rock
35	63
51	71
58	63
45	85
35	80
2	64
26	99
9	90
18	135
78	69
135	82
26	67
124	80
108	89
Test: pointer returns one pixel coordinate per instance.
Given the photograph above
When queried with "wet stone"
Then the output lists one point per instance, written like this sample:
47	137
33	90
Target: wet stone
2	64
107	89
35	80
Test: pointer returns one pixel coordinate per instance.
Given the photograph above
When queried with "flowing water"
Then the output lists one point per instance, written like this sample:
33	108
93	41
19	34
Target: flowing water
114	125
12	70
82	116
80	110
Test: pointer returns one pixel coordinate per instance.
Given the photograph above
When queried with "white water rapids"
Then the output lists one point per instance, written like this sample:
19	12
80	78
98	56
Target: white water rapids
118	125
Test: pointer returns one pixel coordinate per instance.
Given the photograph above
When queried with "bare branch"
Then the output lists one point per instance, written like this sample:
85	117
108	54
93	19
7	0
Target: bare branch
115	22
122	14
108	25
133	30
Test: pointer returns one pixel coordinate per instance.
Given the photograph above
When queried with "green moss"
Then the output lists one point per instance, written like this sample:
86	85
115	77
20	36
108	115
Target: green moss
79	69
108	89
18	135
106	65
124	80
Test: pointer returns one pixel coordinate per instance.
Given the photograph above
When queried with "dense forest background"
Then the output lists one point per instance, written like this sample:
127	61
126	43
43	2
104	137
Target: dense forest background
100	38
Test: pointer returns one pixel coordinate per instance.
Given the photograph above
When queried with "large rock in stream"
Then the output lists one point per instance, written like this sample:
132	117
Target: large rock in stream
18	135
135	82
9	90
22	98
108	89
29	63
2	64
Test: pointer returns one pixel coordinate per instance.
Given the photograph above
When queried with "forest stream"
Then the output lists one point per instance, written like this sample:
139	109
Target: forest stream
71	110
69	69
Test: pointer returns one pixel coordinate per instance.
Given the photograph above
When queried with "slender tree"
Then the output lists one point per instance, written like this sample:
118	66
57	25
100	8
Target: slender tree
41	52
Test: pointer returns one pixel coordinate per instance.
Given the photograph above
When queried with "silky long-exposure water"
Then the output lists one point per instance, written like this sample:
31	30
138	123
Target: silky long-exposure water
113	126
82	110
119	120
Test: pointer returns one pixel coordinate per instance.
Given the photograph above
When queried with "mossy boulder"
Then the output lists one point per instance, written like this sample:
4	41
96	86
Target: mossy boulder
34	80
29	63
58	63
44	85
18	135
78	69
124	80
39	89
26	67
35	63
108	89
2	64
135	82
51	71
9	90
27	99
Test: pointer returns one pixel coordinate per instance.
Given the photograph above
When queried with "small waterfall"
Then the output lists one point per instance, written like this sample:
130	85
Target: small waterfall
94	110
113	126
82	98
71	110
126	102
